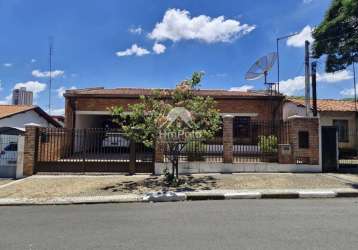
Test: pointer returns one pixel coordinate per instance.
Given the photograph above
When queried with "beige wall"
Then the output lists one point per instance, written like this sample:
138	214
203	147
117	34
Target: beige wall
290	109
327	120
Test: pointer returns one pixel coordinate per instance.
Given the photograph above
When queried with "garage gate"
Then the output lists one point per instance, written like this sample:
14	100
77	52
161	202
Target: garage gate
90	150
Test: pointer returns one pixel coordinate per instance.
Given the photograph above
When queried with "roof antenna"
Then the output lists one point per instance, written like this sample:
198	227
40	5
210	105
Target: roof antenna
261	68
50	73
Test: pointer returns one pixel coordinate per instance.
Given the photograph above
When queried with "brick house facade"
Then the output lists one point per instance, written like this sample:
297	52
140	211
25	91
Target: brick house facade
297	147
82	106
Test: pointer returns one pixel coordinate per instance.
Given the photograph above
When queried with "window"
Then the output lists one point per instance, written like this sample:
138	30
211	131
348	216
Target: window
241	126
342	129
11	147
303	139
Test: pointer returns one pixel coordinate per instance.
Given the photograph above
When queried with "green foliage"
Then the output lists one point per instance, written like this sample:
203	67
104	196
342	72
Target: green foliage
148	118
268	144
337	35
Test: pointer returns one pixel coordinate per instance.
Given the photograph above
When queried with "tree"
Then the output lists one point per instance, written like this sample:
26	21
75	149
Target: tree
171	118
337	35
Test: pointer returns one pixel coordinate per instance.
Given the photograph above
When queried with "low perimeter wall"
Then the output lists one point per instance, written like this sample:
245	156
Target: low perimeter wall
204	167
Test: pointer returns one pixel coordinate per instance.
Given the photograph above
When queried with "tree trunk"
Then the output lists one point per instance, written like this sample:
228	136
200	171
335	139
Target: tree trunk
177	168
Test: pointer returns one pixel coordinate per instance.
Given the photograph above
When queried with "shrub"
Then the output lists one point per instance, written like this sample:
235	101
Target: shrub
268	144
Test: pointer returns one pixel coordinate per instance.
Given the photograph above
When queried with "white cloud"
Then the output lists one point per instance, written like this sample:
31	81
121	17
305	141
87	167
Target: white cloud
34	86
335	77
307	1
347	92
159	48
244	88
61	90
138	30
134	50
299	39
43	74
294	85
179	25
7	65
7	100
33	60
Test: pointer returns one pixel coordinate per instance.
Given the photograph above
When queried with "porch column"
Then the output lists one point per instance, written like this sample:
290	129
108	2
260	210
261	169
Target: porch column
228	138
30	149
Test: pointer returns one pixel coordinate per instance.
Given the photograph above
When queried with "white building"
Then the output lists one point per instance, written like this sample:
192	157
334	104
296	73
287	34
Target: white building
18	116
22	96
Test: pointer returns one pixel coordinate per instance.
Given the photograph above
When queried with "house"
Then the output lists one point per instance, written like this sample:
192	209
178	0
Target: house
18	116
88	108
60	119
339	113
253	137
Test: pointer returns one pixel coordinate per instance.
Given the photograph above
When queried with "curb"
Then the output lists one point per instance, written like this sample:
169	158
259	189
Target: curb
189	196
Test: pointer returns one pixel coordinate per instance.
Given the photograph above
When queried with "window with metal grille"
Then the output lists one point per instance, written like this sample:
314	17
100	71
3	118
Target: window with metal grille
241	126
342	129
303	139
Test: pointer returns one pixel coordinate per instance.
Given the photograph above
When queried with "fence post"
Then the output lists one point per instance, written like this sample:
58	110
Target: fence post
132	157
30	149
20	157
228	138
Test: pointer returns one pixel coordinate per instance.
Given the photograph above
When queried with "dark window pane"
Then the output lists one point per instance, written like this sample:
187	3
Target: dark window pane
241	126
342	129
11	147
303	139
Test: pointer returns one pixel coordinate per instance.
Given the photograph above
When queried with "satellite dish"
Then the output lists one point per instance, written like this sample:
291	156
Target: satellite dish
261	67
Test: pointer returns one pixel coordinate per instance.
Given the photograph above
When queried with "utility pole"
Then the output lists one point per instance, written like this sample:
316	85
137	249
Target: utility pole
307	77
50	73
314	88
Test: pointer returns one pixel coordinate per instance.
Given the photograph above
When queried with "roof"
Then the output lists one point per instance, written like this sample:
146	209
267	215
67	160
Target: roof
136	92
328	105
10	110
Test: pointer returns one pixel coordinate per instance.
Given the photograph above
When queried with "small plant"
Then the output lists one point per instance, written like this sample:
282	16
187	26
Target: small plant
268	144
170	179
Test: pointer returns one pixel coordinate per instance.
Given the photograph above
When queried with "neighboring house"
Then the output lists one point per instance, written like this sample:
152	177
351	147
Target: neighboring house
18	116
60	119
88	108
341	114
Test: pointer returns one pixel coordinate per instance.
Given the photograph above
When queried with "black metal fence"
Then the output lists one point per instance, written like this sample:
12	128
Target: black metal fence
253	141
204	150
90	150
257	141
347	147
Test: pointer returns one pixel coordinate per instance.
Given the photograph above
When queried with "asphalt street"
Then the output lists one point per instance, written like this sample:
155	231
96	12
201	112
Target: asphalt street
233	224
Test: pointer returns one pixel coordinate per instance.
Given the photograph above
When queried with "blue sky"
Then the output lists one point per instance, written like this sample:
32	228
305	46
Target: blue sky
151	43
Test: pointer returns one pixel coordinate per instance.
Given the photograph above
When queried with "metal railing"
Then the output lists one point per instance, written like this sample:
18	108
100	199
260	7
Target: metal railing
88	150
257	141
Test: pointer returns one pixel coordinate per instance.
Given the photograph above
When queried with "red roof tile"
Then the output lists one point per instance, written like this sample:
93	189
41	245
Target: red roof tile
328	104
135	92
9	110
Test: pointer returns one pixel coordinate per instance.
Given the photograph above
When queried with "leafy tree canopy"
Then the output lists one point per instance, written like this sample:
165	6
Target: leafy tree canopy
156	115
337	35
148	118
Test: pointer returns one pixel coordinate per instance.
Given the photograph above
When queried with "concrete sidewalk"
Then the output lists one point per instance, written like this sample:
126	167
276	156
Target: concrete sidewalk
187	196
85	189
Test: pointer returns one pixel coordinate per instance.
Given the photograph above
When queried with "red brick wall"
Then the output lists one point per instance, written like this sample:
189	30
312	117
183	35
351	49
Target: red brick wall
310	154
263	107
